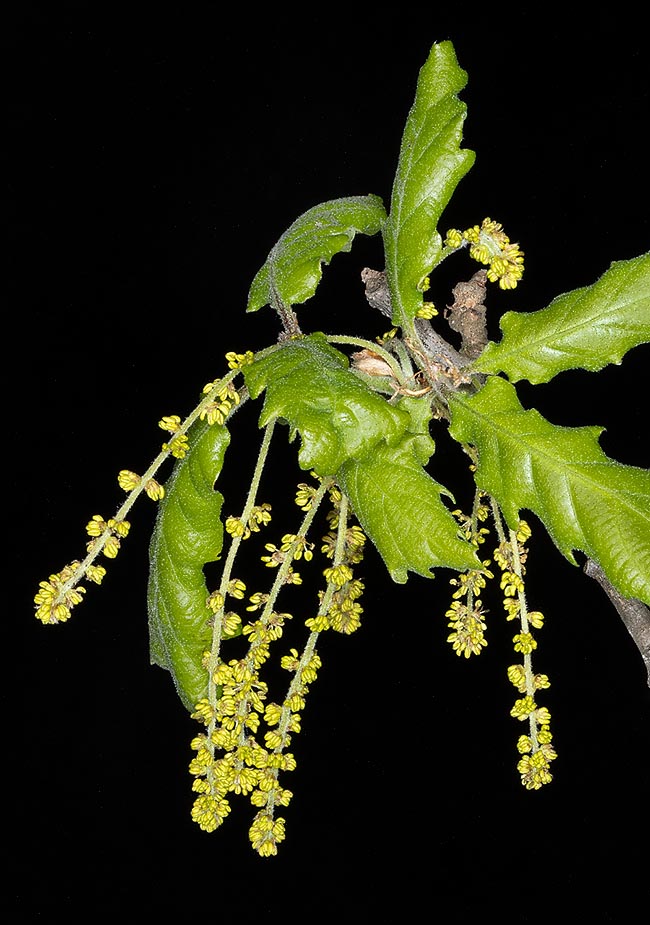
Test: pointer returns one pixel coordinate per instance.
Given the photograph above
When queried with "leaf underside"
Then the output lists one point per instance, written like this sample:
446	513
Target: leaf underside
430	166
187	535
373	449
293	269
586	501
586	328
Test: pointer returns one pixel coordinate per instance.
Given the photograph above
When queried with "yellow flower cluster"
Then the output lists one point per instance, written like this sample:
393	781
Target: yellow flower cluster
466	620
239	360
61	592
468	625
343	612
489	245
244	746
427	311
177	446
229	759
536	748
237	754
56	598
129	480
259	517
217	410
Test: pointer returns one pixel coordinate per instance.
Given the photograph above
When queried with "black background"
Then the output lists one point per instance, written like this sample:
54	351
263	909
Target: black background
156	156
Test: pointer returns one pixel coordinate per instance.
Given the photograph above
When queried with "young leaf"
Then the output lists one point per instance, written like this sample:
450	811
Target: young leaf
587	328
430	166
293	270
398	505
308	384
587	501
188	533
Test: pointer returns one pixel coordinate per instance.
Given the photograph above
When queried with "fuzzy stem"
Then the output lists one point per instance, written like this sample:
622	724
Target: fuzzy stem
310	645
496	516
230	560
523	617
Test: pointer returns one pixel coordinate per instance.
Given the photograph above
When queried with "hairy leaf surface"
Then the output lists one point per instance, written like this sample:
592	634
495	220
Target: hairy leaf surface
586	328
587	501
398	506
375	450
188	534
309	384
293	269
430	166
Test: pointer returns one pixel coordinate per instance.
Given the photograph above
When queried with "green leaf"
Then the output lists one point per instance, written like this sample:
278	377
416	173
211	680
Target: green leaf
398	506
586	328
293	269
188	534
309	384
374	450
587	501
431	164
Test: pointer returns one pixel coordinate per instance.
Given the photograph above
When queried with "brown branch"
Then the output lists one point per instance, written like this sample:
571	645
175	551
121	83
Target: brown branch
634	614
437	348
467	314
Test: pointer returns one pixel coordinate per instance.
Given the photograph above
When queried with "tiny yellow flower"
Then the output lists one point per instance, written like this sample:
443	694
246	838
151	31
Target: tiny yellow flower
111	547
305	496
95	573
524	643
472	234
128	480
427	310
215	601
96	526
338	575
318	624
239	360
523	708
119	527
272	714
290	662
154	490
236	588
178	447
170	422
524	532
454	238
231	624
517	677
258	599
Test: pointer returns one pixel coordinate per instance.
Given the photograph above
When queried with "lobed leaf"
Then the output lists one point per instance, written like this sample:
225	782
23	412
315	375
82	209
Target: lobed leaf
398	506
430	166
587	501
309	384
293	269
375	450
188	533
586	328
